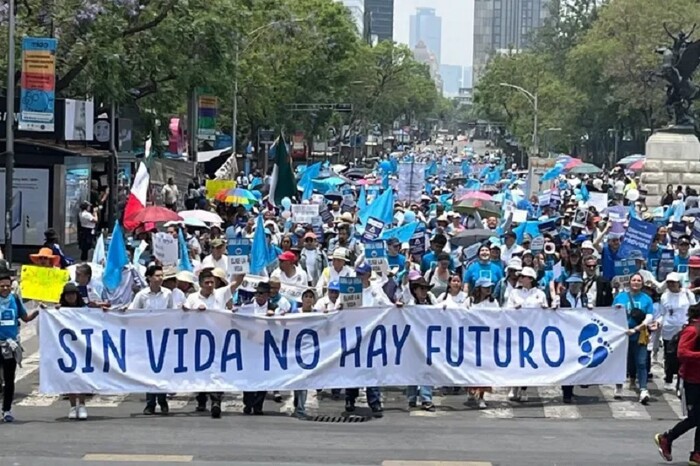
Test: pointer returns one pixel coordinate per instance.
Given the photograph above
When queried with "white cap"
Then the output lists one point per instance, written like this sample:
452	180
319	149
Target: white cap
587	245
515	264
673	277
529	272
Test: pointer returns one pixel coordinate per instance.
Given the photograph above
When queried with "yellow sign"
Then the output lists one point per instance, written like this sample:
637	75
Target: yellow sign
42	283
214	187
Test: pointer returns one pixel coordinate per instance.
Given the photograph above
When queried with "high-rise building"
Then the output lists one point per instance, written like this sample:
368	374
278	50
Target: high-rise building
426	27
467	76
451	79
424	55
357	10
381	18
504	26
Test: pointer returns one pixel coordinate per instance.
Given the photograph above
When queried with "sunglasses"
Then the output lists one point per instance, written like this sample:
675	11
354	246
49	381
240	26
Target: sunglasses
309	240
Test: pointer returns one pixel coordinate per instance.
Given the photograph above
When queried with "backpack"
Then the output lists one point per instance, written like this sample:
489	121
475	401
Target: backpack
673	342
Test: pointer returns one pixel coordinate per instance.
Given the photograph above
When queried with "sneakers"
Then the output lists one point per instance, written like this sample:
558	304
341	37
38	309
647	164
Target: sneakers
644	397
514	394
617	394
164	408
8	417
377	410
669	387
149	410
482	404
428	406
664	445
277	396
694	459
73	413
215	411
82	412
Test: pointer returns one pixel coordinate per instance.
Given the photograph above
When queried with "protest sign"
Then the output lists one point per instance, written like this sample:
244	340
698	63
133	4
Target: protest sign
165	248
326	214
696	229
347	206
214	187
375	255
317	225
580	218
617	213
598	200
292	292
666	264
554	199
163	351
545	197
537	244
304	213
238	251
638	236
417	242
348	195
412	176
677	230
42	283
350	291
624	269
373	230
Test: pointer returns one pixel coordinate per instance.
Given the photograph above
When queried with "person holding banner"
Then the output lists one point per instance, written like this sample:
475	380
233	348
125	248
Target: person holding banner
689	371
506	286
420	295
11	312
154	297
481	298
288	272
70	297
640	312
454	297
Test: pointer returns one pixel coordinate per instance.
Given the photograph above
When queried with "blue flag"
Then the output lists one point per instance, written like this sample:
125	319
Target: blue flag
585	195
552	173
531	227
402	233
362	199
466	169
185	263
473	184
116	259
382	208
306	182
633	211
493	177
259	254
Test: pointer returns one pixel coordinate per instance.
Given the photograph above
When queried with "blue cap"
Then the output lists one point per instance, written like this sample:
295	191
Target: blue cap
636	255
363	268
574	279
334	286
483	283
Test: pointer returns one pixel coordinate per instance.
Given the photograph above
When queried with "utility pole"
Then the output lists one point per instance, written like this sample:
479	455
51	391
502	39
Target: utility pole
10	130
235	106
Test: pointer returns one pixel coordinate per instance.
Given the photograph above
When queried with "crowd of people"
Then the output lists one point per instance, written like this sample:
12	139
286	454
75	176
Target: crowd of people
563	253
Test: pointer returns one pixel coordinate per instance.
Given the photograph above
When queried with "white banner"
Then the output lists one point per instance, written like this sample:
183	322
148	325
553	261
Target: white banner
165	248
89	351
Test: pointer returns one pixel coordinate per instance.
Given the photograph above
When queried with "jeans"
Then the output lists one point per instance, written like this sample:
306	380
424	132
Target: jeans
424	392
9	367
637	363
254	400
374	395
692	401
300	402
214	396
670	362
151	399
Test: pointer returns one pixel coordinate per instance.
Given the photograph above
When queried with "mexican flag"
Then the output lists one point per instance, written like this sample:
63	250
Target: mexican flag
282	182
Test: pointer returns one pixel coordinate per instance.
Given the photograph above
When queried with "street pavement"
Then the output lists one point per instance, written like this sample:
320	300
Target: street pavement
595	430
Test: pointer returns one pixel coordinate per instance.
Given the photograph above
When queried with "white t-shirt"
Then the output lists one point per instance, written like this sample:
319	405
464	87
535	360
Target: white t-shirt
299	278
532	298
87	220
209	261
216	300
311	255
147	299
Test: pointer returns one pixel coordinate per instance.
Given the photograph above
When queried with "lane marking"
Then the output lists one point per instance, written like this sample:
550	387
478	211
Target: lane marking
556	411
36	399
105	401
435	463
498	406
624	409
30	364
138	458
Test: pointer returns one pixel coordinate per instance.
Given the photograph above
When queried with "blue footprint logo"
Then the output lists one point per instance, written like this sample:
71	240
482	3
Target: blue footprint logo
595	348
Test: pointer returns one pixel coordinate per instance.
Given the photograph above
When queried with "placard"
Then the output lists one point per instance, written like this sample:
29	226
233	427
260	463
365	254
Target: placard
667	263
350	292
598	200
677	230
624	269
580	218
375	255
165	248
537	244
304	213
42	283
214	187
238	251
373	230
417	243
38	85
412	176
326	214
638	236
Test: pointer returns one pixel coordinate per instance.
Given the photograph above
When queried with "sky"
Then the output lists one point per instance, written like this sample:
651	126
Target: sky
457	26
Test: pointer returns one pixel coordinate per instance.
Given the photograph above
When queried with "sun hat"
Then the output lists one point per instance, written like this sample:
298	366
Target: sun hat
528	272
45	253
334	286
363	268
220	273
673	277
483	283
185	277
340	253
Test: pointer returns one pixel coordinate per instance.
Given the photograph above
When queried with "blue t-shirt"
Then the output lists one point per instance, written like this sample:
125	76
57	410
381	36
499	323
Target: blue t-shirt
641	301
608	261
680	264
11	310
430	259
653	258
479	270
398	260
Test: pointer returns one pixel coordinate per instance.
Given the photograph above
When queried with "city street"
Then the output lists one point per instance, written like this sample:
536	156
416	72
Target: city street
595	430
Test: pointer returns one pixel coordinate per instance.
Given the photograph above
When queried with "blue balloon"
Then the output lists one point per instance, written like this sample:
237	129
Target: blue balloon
286	203
409	217
385	166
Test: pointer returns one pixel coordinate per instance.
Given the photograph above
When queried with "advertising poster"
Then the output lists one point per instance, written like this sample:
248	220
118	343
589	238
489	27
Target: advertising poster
38	84
30	205
206	124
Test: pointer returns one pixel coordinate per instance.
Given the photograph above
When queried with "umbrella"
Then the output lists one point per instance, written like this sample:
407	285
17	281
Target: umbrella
485	208
333	196
637	166
189	222
573	163
467	238
476	195
355	173
203	215
236	196
155	214
631	159
586	169
456	181
695	212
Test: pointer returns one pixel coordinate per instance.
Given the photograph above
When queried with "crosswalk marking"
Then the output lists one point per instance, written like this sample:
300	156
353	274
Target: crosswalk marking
105	401
624	409
30	364
437	401
36	399
179	401
498	406
556	411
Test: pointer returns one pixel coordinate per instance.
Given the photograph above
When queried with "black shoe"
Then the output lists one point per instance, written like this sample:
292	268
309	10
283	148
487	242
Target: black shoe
278	398
349	406
258	412
377	410
335	396
412	404
164	408
568	400
215	411
201	407
149	410
247	410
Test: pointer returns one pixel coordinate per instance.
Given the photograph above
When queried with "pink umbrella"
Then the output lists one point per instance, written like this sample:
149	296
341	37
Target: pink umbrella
637	166
476	195
573	163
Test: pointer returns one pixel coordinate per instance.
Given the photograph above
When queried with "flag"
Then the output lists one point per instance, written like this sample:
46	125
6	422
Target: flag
473	185
633	211
466	169
98	256
678	210
552	173
282	182
116	259
494	176
259	254
382	208
585	195
362	199
531	227
185	263
306	182
402	233
138	195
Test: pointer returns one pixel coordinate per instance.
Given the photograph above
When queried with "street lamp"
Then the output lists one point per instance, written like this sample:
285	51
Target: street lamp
252	36
532	98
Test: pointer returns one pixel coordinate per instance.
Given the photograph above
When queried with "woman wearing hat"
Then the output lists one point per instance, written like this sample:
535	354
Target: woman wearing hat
70	297
338	268
481	298
674	304
51	242
573	297
527	295
453	297
45	258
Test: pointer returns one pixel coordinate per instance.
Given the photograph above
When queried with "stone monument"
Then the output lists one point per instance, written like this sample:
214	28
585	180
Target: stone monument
673	153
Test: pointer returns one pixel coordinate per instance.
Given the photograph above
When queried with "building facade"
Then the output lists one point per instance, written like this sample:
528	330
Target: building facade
451	79
381	18
426	27
504	26
424	55
357	10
